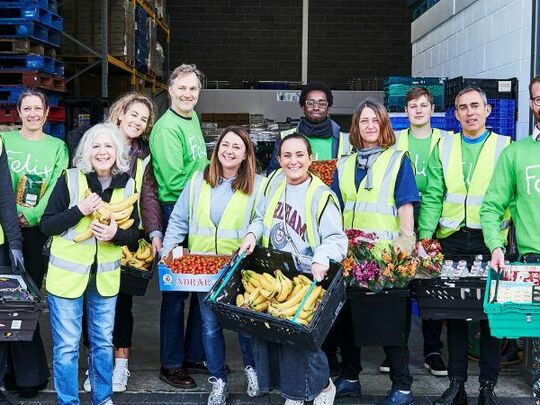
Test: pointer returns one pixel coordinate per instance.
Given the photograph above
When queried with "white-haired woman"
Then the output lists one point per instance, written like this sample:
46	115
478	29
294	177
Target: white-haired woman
87	272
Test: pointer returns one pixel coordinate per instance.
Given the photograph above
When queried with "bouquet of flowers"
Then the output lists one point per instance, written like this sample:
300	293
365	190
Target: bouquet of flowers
375	265
431	258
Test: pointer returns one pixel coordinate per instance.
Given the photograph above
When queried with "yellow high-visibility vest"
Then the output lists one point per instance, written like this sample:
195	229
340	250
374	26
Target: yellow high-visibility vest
462	205
227	236
70	262
374	210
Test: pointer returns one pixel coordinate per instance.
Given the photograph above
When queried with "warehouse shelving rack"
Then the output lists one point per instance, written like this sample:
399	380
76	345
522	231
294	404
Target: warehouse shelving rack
137	80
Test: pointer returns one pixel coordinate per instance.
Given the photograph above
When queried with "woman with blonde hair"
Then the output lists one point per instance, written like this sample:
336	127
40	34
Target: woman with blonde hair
87	273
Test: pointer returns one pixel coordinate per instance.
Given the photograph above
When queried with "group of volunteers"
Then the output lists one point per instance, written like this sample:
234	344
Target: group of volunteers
463	189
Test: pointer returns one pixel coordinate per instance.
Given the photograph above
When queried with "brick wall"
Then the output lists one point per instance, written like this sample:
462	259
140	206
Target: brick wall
487	39
250	40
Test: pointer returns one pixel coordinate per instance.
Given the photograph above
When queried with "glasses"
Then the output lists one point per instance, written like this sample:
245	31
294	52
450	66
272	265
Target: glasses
319	103
535	100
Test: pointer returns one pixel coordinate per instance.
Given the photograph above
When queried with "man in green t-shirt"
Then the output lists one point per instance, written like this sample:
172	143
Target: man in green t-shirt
459	171
516	185
420	139
178	150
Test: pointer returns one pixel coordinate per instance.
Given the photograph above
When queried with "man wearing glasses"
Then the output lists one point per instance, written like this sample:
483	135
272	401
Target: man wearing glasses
325	136
516	185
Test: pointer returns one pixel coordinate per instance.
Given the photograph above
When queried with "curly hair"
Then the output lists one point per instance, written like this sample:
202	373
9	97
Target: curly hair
122	104
315	85
81	160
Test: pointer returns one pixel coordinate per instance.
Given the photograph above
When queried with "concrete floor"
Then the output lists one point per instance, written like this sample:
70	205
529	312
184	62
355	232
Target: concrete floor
145	387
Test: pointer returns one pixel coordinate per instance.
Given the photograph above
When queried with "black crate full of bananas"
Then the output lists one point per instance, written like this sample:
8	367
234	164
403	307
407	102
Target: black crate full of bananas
270	297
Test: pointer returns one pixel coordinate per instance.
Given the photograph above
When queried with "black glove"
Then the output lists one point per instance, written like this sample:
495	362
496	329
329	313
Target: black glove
17	261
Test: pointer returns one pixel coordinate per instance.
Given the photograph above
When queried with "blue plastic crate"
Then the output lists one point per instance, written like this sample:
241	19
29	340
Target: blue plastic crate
28	28
401	122
10	95
31	11
56	129
32	62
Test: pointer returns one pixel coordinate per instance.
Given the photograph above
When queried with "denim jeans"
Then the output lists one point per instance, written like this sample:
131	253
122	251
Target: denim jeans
174	347
214	342
66	325
299	374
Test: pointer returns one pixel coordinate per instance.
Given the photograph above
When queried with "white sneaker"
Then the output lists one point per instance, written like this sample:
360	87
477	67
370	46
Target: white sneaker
86	386
219	393
120	378
326	397
293	402
253	382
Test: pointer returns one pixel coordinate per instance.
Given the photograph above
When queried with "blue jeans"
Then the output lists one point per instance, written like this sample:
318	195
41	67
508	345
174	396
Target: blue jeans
174	347
66	326
299	374
214	342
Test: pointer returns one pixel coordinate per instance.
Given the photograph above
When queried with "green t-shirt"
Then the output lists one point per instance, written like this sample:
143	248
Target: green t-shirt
419	151
178	151
46	158
470	150
321	147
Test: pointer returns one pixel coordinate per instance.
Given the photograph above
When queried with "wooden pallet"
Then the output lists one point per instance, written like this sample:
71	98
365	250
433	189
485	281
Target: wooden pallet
25	46
31	78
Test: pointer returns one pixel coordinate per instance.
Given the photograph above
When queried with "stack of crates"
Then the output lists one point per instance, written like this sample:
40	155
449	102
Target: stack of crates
29	41
397	87
502	95
399	121
142	37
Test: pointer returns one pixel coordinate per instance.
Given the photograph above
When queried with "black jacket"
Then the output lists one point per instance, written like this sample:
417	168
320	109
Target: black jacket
58	217
8	208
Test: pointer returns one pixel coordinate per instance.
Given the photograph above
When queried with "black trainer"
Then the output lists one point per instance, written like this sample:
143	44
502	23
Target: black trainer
435	364
487	395
454	395
385	366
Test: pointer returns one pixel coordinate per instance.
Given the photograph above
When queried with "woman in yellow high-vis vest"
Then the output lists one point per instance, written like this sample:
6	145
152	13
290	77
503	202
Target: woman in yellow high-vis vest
134	115
376	188
299	214
87	272
213	213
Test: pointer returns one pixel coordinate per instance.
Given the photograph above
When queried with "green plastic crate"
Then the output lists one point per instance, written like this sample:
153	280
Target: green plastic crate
511	320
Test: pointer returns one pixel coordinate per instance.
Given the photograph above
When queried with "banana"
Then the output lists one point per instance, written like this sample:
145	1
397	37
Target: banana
83	236
301	321
149	259
286	287
285	313
260	307
123	220
121	215
250	275
239	300
127	254
143	253
256	293
297	286
260	299
122	205
123	261
247	286
136	263
310	301
267	282
293	300
267	294
127	224
321	295
304	279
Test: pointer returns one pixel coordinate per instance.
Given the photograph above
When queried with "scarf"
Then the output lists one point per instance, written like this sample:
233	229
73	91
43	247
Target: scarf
320	130
366	157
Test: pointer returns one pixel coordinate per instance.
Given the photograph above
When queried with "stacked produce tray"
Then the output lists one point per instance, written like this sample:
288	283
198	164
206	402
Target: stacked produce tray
29	41
396	88
265	326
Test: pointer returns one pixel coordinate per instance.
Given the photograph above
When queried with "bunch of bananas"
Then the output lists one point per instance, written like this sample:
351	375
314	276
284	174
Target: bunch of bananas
279	295
121	212
141	259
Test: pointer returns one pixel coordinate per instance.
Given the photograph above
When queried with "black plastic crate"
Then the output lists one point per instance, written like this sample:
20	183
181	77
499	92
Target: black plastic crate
450	298
380	318
18	319
494	88
265	326
134	281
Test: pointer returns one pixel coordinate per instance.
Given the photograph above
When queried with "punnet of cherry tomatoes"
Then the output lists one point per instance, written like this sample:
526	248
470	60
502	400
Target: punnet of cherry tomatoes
197	264
325	170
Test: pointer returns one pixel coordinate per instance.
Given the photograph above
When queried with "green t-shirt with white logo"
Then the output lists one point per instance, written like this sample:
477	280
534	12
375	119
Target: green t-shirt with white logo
419	152
470	150
321	147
